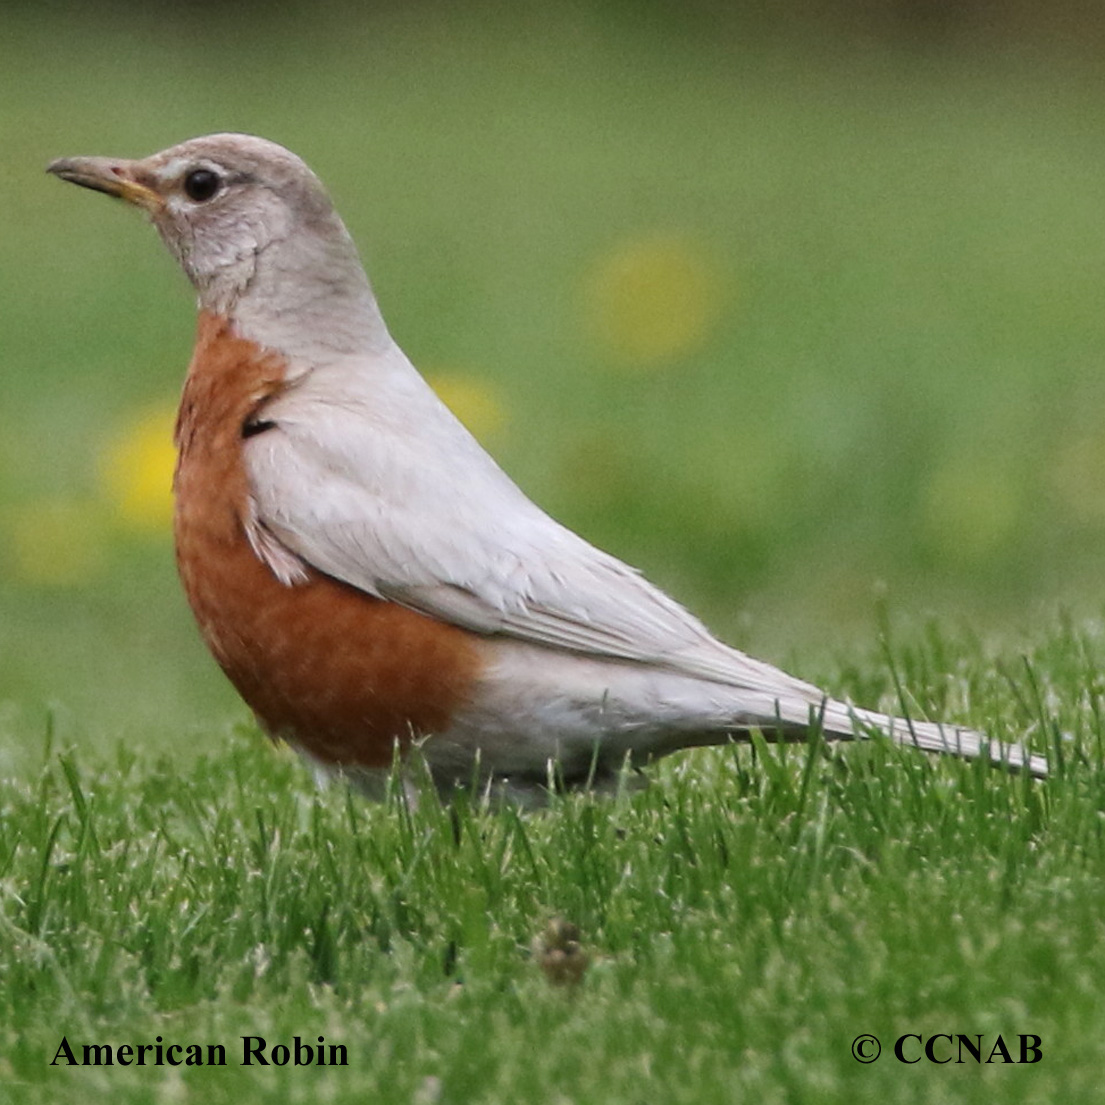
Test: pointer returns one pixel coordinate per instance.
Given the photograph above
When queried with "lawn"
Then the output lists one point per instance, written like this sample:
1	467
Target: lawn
811	333
744	918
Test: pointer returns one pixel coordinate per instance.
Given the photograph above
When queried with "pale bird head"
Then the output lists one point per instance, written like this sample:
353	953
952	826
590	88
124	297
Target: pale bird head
250	224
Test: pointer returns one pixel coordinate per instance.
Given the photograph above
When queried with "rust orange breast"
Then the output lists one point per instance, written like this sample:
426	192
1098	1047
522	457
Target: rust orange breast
320	663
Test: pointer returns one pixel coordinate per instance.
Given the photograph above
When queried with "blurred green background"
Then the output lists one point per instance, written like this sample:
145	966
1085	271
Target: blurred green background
791	307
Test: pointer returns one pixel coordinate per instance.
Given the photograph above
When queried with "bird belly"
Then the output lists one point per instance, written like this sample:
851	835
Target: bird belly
344	676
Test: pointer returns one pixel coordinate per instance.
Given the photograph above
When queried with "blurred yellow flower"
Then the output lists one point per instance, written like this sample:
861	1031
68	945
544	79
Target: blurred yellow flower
56	542
653	299
136	471
472	400
970	507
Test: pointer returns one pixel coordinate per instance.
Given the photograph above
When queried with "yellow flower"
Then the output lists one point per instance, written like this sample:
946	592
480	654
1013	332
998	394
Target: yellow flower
653	299
137	471
56	542
472	400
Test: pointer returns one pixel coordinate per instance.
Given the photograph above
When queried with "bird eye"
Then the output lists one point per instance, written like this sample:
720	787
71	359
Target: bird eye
201	184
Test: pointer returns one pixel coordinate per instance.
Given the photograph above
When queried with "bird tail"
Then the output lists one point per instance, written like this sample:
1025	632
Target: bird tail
841	721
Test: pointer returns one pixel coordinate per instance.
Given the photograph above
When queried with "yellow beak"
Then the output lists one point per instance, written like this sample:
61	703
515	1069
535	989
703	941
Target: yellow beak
106	174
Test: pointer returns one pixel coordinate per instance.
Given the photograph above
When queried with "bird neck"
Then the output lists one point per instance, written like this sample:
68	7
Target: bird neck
306	297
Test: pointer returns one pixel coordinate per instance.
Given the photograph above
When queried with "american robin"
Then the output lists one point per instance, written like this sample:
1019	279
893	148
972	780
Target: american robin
364	573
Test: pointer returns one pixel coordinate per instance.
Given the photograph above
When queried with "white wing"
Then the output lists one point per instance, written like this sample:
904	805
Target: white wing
368	477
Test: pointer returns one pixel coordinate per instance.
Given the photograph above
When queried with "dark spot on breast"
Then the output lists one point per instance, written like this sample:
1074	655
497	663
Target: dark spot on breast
253	427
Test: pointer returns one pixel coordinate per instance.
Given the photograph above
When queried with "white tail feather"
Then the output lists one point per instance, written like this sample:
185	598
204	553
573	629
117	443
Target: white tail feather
841	720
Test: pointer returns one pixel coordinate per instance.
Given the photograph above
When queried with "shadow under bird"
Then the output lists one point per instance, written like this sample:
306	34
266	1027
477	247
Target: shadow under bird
364	572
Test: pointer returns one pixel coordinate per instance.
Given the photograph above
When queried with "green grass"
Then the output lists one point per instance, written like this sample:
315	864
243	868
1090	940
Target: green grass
900	394
747	915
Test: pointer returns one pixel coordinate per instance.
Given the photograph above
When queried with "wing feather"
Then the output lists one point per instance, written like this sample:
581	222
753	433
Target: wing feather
430	521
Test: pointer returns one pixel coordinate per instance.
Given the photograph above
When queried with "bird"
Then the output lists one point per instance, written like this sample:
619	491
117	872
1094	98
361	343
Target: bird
366	575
